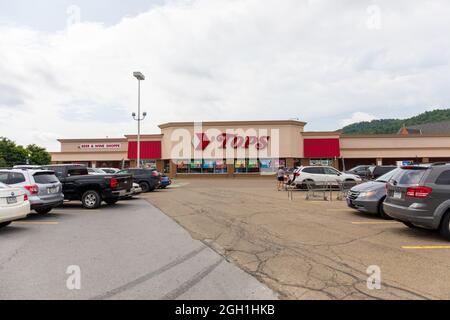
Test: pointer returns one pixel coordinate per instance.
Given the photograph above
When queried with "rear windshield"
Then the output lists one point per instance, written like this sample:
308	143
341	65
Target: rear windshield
386	177
406	176
45	178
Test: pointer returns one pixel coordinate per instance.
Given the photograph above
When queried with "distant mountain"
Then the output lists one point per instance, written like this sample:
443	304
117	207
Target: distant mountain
384	126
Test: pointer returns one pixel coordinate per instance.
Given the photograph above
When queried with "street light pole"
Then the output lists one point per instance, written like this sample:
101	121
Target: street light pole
140	77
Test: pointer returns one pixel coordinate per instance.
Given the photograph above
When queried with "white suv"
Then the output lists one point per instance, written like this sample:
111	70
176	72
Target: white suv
320	174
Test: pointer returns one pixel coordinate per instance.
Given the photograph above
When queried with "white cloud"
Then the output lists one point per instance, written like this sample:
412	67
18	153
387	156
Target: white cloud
357	117
225	59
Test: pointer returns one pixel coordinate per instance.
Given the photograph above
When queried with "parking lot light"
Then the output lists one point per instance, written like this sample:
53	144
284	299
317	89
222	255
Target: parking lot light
140	77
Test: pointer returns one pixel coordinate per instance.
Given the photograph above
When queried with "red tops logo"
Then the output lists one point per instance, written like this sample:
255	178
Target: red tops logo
225	140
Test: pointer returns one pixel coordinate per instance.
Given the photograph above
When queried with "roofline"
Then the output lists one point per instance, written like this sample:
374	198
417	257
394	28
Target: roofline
394	135
321	133
94	140
144	136
233	123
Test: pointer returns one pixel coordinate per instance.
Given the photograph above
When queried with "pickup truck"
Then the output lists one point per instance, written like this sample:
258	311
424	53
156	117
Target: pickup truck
91	190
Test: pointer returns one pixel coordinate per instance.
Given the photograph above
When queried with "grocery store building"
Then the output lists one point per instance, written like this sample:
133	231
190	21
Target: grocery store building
246	148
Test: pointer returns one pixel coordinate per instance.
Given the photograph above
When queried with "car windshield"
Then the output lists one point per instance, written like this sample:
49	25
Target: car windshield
98	170
386	177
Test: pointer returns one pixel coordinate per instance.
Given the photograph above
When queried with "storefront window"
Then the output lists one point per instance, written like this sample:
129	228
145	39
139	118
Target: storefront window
271	165
220	166
252	166
240	166
321	162
195	166
208	166
182	166
148	164
166	166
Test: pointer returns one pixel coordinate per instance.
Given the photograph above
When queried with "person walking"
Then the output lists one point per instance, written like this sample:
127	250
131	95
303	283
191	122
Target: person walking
280	178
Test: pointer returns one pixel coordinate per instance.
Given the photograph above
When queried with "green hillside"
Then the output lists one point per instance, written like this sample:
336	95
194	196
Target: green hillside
393	125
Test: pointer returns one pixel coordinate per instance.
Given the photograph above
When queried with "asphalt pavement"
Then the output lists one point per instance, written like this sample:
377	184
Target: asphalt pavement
127	251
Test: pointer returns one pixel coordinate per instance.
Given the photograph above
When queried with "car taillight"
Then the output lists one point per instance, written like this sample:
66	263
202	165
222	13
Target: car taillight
297	174
34	189
418	192
25	197
113	183
155	173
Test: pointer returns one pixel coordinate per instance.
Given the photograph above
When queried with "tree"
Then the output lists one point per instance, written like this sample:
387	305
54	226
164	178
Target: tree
11	153
38	155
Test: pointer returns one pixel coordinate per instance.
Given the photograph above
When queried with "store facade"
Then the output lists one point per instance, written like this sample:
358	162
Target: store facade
249	148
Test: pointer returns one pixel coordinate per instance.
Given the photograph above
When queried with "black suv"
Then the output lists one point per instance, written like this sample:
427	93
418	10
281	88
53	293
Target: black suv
377	171
419	196
148	179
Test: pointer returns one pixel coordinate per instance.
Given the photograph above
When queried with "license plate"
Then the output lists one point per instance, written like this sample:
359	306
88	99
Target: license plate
397	195
52	190
11	200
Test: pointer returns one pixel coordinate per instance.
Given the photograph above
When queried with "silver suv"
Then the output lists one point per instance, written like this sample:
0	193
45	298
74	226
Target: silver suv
42	187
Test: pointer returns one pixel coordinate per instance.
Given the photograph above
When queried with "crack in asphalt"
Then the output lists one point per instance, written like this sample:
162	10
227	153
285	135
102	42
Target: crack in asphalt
327	275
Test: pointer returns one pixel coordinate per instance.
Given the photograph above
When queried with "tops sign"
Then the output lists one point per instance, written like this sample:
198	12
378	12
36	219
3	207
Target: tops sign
201	141
95	146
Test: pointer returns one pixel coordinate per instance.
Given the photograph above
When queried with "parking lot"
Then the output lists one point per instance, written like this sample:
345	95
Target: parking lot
308	249
129	250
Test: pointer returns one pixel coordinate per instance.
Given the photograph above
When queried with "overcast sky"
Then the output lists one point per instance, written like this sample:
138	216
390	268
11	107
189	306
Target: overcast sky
66	66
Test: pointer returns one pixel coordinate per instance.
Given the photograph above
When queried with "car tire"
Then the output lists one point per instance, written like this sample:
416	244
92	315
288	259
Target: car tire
5	224
444	230
144	186
43	210
381	212
111	202
91	199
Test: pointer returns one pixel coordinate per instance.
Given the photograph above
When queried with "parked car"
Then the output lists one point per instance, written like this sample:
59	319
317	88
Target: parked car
377	171
134	191
419	196
320	174
361	170
14	204
110	170
369	196
96	171
148	179
42	187
165	182
91	190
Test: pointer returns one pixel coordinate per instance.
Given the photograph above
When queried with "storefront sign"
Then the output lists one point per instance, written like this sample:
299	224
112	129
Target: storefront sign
94	146
226	140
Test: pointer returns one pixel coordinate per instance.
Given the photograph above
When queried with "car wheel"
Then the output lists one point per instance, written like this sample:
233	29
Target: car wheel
381	212
43	211
5	224
91	199
111	201
445	227
144	186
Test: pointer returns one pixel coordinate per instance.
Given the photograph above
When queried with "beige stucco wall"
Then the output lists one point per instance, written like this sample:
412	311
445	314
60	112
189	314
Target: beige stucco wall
393	146
285	138
71	151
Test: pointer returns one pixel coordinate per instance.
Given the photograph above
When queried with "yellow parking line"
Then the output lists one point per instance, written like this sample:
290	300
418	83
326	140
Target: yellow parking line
375	222
37	222
426	247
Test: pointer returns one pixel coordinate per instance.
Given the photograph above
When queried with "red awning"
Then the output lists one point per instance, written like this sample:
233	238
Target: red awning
322	148
149	150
